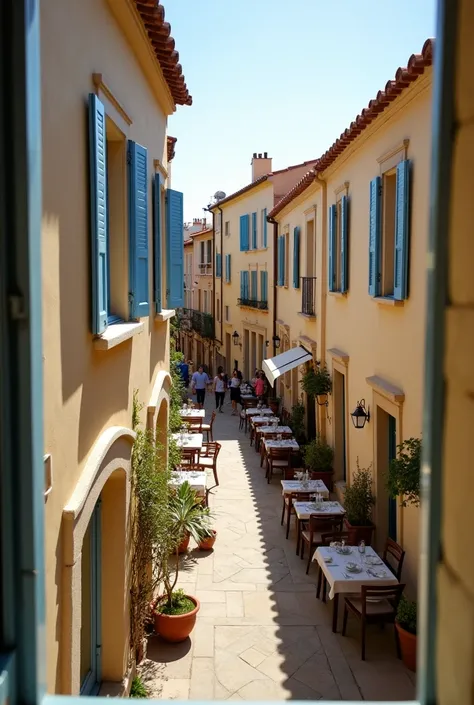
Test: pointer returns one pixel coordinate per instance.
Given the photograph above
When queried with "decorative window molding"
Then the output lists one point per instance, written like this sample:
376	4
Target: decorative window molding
339	356
386	389
390	159
158	166
342	190
113	107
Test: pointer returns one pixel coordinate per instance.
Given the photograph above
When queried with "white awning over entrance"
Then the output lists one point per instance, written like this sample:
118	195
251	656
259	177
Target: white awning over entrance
276	366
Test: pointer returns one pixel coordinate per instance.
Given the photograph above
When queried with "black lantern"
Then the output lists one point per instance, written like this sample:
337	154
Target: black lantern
235	337
276	341
360	415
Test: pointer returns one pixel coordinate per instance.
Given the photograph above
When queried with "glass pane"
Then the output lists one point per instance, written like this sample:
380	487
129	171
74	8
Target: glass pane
86	620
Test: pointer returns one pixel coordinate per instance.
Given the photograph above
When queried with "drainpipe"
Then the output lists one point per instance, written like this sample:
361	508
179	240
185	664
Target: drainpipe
324	290
275	276
222	278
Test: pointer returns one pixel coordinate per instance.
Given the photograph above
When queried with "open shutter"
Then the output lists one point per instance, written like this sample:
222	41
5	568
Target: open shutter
374	235
99	214
218	264
244	233
254	231
264	285
254	285
264	227
296	258
246	285
279	282
283	260
344	244
157	216
332	248
242	295
139	294
402	215
175	248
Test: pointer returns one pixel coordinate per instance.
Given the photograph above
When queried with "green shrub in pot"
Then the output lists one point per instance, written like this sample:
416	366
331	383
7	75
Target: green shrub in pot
406	625
358	503
403	479
316	381
318	455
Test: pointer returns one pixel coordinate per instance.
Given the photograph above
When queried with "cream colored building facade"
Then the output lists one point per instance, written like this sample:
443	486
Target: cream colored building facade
110	255
244	246
367	329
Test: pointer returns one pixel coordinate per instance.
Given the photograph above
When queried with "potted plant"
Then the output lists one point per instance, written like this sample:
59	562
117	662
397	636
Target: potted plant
297	422
403	479
358	502
406	626
207	543
175	612
318	458
316	382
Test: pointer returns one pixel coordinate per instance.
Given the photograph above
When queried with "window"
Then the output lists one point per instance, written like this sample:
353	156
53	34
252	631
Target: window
244	286
227	315
218	310
117	297
264	286
296	258
389	233
244	233
264	227
254	285
254	231
218	264
281	260
228	269
286	259
208	251
202	259
338	246
227	228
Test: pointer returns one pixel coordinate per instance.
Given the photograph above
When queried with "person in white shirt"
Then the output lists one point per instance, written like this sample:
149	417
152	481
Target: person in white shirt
199	382
235	391
219	389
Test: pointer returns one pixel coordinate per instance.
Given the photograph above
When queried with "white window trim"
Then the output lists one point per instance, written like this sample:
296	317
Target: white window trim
117	333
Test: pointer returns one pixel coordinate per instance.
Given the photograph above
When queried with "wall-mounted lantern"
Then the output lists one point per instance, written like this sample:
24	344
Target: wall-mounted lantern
360	415
276	341
235	337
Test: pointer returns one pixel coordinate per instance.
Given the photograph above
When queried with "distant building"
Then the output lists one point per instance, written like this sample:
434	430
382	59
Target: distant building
196	226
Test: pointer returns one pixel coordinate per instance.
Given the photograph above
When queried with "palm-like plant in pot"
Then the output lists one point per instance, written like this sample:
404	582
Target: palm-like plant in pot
358	503
318	458
175	612
406	625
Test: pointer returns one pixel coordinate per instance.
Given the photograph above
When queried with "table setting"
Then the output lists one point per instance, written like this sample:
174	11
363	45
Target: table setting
193	441
194	413
255	411
268	420
303	510
281	443
301	485
273	429
195	478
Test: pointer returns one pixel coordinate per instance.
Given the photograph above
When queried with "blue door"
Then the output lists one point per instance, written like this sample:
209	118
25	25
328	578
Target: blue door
343	411
90	606
392	452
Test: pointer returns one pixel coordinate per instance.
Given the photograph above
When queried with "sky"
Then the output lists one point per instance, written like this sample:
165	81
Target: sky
278	76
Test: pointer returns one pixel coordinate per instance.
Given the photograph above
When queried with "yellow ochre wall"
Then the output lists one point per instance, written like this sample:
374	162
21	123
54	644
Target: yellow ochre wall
86	391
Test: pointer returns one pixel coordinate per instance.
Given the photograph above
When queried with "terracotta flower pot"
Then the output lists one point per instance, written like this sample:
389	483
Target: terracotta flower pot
359	533
177	627
407	647
208	543
183	546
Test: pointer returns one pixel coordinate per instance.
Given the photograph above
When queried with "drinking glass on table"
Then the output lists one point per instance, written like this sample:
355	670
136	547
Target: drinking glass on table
279	437
362	551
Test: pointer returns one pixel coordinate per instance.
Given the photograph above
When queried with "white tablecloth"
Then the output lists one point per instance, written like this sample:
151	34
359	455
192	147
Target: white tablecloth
195	413
265	419
326	509
189	440
197	480
311	486
247	397
285	443
272	429
258	412
334	572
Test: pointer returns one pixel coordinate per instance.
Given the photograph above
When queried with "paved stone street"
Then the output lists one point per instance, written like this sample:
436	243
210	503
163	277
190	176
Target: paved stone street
261	633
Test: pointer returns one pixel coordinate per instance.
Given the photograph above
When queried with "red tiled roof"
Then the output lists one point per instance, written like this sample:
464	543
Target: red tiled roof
201	232
403	78
152	14
170	147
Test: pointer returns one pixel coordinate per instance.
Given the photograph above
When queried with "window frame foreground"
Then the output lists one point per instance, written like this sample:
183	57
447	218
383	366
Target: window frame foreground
22	618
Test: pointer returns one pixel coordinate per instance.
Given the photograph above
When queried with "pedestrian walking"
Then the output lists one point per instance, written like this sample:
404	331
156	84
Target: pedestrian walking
219	390
235	390
259	386
199	383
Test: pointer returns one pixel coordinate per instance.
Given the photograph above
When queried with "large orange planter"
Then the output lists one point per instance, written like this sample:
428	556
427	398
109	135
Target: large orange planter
177	627
208	543
183	546
407	647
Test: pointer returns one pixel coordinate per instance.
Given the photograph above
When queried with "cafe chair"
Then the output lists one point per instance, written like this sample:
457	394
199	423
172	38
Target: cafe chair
326	540
288	508
375	605
242	421
311	535
393	557
277	459
207	427
194	423
208	458
189	456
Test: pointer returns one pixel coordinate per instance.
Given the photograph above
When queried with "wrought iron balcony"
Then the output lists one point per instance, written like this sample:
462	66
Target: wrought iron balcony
202	323
205	268
253	303
308	296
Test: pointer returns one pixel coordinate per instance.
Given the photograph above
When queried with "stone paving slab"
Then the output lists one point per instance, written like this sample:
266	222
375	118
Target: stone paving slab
261	634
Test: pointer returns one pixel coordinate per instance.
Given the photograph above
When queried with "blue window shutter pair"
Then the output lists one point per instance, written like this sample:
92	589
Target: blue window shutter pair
244	285
218	264
175	248
264	285
344	245
241	285
227	268
375	233
281	260
254	231
402	216
264	227
244	233
99	214
138	219
332	247
157	239
296	258
254	285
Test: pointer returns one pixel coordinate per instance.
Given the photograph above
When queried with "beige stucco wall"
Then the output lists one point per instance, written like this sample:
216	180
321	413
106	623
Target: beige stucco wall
375	339
86	391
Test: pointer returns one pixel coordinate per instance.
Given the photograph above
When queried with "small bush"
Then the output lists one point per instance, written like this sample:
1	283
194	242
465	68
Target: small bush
358	498
180	604
407	615
138	689
318	455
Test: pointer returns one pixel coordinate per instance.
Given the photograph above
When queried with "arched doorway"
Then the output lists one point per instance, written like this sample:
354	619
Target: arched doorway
91	624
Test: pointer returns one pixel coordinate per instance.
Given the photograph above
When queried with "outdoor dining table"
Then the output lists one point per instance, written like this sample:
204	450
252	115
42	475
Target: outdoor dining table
255	411
264	420
341	581
271	429
248	396
316	486
303	511
194	413
284	443
195	478
192	441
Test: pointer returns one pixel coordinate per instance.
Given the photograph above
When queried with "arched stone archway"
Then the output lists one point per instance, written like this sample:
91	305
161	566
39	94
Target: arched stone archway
160	394
106	476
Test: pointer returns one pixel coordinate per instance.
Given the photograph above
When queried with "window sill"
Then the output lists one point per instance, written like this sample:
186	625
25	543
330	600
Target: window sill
116	334
388	301
165	314
308	316
338	294
257	249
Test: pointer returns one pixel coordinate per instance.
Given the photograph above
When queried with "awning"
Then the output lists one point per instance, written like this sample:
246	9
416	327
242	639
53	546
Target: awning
276	366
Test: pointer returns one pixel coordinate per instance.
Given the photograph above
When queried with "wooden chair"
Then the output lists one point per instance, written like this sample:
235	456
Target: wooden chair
195	468
277	459
263	453
288	508
208	458
393	557
375	605
312	535
243	421
326	540
189	456
194	424
207	427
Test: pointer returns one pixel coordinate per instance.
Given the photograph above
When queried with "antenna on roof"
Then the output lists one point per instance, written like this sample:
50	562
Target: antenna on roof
219	195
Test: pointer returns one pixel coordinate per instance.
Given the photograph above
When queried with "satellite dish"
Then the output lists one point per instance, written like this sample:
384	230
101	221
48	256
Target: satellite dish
219	195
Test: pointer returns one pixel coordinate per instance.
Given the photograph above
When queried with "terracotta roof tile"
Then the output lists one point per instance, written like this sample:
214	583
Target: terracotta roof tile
404	76
170	147
152	14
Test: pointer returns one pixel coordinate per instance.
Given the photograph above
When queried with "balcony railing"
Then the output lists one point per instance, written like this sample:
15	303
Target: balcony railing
308	296
202	323
253	303
205	268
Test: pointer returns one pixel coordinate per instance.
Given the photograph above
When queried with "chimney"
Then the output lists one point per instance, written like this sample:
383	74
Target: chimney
261	165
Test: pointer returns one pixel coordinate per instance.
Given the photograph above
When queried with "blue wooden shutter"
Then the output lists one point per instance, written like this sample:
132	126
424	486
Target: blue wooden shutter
242	292
227	268
264	285
99	214
344	246
281	274
175	248
218	264
283	260
254	231
264	227
374	235
138	218
296	258
244	233
254	285
402	216
230	268
157	216
332	248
